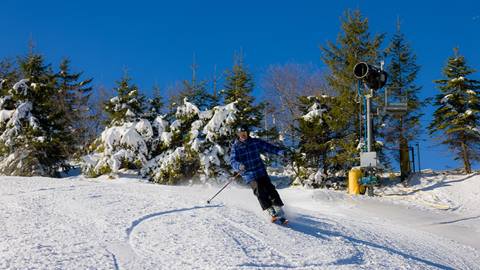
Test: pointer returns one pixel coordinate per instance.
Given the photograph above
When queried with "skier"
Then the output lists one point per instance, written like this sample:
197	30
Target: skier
245	159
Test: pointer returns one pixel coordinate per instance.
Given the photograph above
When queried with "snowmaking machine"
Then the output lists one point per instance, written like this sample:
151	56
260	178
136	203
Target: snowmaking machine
372	78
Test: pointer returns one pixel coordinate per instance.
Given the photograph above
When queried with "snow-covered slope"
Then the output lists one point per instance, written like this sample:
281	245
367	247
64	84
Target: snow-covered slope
78	223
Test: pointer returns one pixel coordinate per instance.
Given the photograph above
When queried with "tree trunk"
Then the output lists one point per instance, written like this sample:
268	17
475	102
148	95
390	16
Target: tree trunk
466	160
404	154
404	158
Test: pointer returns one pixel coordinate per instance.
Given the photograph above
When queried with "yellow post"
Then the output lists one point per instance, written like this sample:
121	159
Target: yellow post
353	181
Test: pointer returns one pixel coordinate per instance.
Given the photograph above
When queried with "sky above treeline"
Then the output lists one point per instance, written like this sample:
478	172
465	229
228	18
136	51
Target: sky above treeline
155	41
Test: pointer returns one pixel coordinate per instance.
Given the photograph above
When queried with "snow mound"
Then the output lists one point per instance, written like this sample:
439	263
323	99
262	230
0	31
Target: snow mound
444	191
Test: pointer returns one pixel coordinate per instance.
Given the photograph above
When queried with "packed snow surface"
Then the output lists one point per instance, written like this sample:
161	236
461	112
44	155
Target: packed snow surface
124	223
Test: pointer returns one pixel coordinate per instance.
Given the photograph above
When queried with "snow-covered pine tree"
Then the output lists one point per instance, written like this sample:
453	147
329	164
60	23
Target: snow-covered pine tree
34	139
399	131
127	106
195	145
317	139
173	161
123	143
210	138
457	116
354	44
73	95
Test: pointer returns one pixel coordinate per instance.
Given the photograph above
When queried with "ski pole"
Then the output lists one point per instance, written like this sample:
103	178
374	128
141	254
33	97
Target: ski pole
228	183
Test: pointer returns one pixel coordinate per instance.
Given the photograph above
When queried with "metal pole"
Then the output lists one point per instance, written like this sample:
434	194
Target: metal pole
228	183
418	157
369	124
360	113
413	158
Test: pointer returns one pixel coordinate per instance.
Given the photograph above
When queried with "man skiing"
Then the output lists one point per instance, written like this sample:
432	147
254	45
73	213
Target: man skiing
245	159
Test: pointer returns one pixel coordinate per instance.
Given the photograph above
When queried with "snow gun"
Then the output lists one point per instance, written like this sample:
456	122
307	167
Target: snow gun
373	78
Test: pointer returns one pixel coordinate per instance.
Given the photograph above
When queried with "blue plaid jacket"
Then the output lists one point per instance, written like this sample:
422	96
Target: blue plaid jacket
248	154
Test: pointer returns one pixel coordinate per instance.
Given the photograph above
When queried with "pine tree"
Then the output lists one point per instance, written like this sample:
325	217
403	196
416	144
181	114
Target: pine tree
354	45
9	74
316	135
34	139
457	117
196	92
154	104
124	144
401	87
238	88
127	106
173	158
73	97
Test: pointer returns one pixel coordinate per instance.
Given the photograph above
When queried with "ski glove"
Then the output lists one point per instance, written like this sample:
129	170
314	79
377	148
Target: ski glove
254	185
241	168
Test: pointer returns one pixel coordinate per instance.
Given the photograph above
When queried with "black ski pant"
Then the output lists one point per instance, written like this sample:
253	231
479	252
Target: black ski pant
266	193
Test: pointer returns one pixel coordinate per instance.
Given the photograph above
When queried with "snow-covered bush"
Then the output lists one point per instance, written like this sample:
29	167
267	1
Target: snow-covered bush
171	160
125	141
118	147
166	168
212	142
196	144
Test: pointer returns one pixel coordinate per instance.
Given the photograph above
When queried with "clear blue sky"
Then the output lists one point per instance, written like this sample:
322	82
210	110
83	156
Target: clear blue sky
155	40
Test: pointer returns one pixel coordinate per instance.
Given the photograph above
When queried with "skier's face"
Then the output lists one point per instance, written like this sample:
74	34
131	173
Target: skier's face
242	135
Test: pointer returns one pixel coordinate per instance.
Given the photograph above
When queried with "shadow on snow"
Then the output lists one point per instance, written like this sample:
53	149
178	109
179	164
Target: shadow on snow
306	225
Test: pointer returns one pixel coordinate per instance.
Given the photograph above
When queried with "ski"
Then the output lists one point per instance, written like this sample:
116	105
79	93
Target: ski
283	221
279	220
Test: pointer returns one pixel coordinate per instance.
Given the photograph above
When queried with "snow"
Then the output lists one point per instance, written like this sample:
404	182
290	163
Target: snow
129	113
21	87
125	223
127	142
115	99
187	109
15	118
445	98
471	92
160	124
144	128
5	115
165	163
461	78
220	123
459	193
314	112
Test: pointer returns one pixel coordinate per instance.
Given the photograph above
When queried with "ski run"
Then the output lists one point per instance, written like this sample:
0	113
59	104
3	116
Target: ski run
127	223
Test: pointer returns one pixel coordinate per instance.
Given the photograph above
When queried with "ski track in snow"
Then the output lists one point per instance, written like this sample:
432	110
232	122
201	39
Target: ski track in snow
124	224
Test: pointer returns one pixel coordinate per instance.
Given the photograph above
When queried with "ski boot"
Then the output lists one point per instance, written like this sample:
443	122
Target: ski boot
273	214
280	214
